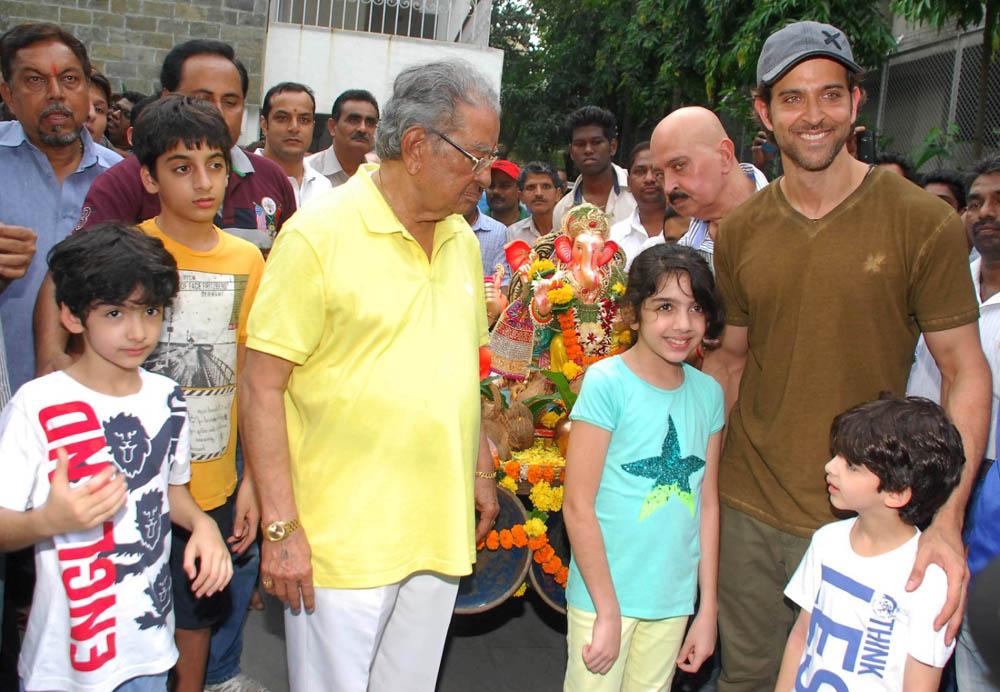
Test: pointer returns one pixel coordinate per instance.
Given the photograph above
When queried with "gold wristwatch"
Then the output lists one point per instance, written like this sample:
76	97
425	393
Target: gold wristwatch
280	530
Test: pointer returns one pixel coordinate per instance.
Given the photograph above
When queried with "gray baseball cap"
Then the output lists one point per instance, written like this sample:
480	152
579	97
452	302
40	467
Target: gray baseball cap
786	48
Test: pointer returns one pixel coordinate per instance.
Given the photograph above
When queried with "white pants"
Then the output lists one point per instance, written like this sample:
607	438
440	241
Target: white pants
383	639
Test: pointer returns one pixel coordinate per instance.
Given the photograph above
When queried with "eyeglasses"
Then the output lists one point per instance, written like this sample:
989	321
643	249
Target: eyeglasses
479	164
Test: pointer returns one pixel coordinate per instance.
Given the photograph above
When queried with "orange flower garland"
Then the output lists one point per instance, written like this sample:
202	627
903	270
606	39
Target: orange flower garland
519	537
543	552
567	323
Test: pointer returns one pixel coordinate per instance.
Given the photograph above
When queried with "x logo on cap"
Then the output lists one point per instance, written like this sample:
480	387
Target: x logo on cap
832	38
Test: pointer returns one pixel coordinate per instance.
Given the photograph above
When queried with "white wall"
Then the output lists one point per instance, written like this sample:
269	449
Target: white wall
331	61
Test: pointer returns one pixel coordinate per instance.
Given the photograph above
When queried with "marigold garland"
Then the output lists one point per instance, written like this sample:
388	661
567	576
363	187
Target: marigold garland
561	293
541	267
518	535
542	552
508	483
545	498
534	528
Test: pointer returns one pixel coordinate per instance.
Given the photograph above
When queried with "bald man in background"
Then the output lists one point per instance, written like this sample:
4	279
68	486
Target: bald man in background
701	176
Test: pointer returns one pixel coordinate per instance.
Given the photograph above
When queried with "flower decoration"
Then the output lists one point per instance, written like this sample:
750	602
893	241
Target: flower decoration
571	370
545	498
520	590
508	483
541	268
560	293
512	469
618	289
592	338
506	539
549	419
534	474
534	527
519	536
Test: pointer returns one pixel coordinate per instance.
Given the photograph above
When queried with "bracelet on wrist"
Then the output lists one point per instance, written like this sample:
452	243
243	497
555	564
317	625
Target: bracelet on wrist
491	475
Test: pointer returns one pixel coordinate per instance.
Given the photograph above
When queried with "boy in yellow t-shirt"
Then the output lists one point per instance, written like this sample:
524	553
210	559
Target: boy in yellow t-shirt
183	145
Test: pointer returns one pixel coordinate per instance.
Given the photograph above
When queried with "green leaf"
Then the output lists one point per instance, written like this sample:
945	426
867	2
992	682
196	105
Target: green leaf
538	403
562	386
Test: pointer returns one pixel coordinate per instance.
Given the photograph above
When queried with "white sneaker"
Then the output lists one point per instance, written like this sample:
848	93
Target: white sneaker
239	683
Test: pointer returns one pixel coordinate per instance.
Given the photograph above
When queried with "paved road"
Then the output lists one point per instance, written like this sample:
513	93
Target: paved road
517	647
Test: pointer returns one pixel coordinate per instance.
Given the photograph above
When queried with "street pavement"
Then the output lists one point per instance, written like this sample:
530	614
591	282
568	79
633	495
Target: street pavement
519	646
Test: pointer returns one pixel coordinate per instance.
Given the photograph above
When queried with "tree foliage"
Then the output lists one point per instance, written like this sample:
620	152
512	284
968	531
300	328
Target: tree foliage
642	58
964	14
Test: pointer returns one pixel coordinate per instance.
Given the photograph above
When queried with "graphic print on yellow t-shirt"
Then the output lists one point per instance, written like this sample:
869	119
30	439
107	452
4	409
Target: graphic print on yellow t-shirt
197	349
198	346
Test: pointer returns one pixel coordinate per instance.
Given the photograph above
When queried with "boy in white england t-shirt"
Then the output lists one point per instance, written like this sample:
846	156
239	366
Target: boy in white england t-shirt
95	465
895	463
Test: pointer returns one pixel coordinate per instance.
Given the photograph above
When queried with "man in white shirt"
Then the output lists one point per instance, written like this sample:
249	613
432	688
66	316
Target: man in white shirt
982	223
286	119
701	176
352	124
645	182
593	142
538	185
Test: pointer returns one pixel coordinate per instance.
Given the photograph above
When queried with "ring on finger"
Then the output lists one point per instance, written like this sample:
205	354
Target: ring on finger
267	582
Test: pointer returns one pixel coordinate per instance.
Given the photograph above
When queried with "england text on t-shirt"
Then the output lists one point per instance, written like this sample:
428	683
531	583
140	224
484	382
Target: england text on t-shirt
102	611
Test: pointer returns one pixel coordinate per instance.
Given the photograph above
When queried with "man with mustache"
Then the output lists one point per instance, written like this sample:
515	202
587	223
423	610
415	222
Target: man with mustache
645	182
49	161
538	186
982	530
593	141
352	124
701	176
120	121
828	275
501	195
287	119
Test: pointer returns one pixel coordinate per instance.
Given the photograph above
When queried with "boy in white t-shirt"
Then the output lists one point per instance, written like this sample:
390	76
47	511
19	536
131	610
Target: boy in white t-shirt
95	465
895	463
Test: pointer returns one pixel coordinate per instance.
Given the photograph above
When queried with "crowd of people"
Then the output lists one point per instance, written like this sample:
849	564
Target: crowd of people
201	341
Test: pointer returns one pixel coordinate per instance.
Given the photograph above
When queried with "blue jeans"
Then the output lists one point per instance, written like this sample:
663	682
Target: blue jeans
970	669
226	646
143	683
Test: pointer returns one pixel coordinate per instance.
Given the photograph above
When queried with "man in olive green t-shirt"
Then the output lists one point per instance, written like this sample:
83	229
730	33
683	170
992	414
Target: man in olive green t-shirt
829	277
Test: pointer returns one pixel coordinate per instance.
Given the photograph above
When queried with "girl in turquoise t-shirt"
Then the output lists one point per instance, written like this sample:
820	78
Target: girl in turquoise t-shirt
641	500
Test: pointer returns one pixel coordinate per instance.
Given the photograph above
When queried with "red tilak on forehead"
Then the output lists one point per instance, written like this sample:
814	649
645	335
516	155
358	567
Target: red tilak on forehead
54	70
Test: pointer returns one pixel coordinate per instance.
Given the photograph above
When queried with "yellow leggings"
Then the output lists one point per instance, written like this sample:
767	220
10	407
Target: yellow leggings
646	662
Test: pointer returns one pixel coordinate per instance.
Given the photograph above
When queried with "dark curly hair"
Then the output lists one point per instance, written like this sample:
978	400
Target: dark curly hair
907	443
654	264
107	263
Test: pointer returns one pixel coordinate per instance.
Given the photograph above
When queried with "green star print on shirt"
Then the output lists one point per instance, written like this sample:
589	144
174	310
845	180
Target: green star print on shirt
671	472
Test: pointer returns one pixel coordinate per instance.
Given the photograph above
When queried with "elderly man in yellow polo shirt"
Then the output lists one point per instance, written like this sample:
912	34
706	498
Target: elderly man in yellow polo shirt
360	396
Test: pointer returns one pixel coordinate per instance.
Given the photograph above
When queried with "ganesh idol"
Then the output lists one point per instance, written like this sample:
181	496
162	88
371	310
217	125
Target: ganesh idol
563	311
